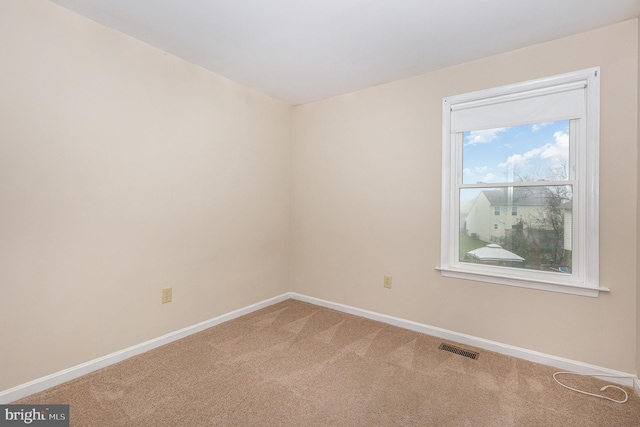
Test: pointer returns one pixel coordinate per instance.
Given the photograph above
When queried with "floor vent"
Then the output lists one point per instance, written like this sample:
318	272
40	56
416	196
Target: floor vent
457	350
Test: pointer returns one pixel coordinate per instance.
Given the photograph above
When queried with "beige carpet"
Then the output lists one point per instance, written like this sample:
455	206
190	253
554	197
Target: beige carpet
297	364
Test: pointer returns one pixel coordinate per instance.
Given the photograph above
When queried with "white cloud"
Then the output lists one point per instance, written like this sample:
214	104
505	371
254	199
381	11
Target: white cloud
479	173
558	151
538	126
490	177
483	136
515	160
550	152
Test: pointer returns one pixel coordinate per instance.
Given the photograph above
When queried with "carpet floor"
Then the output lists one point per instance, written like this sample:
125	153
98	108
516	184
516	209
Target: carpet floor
297	364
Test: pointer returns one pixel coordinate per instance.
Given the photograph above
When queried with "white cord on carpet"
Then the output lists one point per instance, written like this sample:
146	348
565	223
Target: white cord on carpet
626	396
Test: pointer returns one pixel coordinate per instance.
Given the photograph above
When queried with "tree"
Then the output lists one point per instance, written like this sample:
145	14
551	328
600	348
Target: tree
545	227
518	242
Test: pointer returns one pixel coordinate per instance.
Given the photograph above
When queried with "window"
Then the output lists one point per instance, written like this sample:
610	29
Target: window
532	149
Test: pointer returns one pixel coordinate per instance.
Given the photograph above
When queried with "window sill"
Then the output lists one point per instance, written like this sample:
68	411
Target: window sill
521	283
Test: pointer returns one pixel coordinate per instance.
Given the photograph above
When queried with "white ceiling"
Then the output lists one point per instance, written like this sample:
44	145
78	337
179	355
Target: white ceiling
301	51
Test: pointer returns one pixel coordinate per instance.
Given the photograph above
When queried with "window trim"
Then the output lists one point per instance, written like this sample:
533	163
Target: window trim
585	279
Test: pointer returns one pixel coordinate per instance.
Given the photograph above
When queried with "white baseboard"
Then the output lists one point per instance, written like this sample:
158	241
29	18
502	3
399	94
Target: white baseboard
41	384
563	364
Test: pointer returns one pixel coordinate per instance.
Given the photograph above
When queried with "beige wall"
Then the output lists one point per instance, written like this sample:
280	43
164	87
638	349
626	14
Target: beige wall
123	170
366	202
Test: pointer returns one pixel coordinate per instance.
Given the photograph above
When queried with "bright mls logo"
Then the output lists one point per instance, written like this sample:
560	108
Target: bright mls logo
34	415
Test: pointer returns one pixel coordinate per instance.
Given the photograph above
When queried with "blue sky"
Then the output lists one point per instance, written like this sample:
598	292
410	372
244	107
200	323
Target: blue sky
501	155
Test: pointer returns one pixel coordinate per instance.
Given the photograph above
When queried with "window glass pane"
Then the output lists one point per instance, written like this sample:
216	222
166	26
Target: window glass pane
518	153
539	237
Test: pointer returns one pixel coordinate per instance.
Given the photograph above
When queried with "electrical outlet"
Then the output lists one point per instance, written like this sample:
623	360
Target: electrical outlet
166	295
387	282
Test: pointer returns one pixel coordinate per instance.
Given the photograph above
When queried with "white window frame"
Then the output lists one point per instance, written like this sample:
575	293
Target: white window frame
585	130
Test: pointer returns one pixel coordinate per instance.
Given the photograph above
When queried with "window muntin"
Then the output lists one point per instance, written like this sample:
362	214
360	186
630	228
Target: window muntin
566	109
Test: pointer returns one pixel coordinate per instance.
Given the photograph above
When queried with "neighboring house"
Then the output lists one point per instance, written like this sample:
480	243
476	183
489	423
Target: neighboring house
494	212
465	208
478	222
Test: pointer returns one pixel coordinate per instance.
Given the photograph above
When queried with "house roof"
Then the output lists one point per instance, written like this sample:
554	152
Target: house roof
521	196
